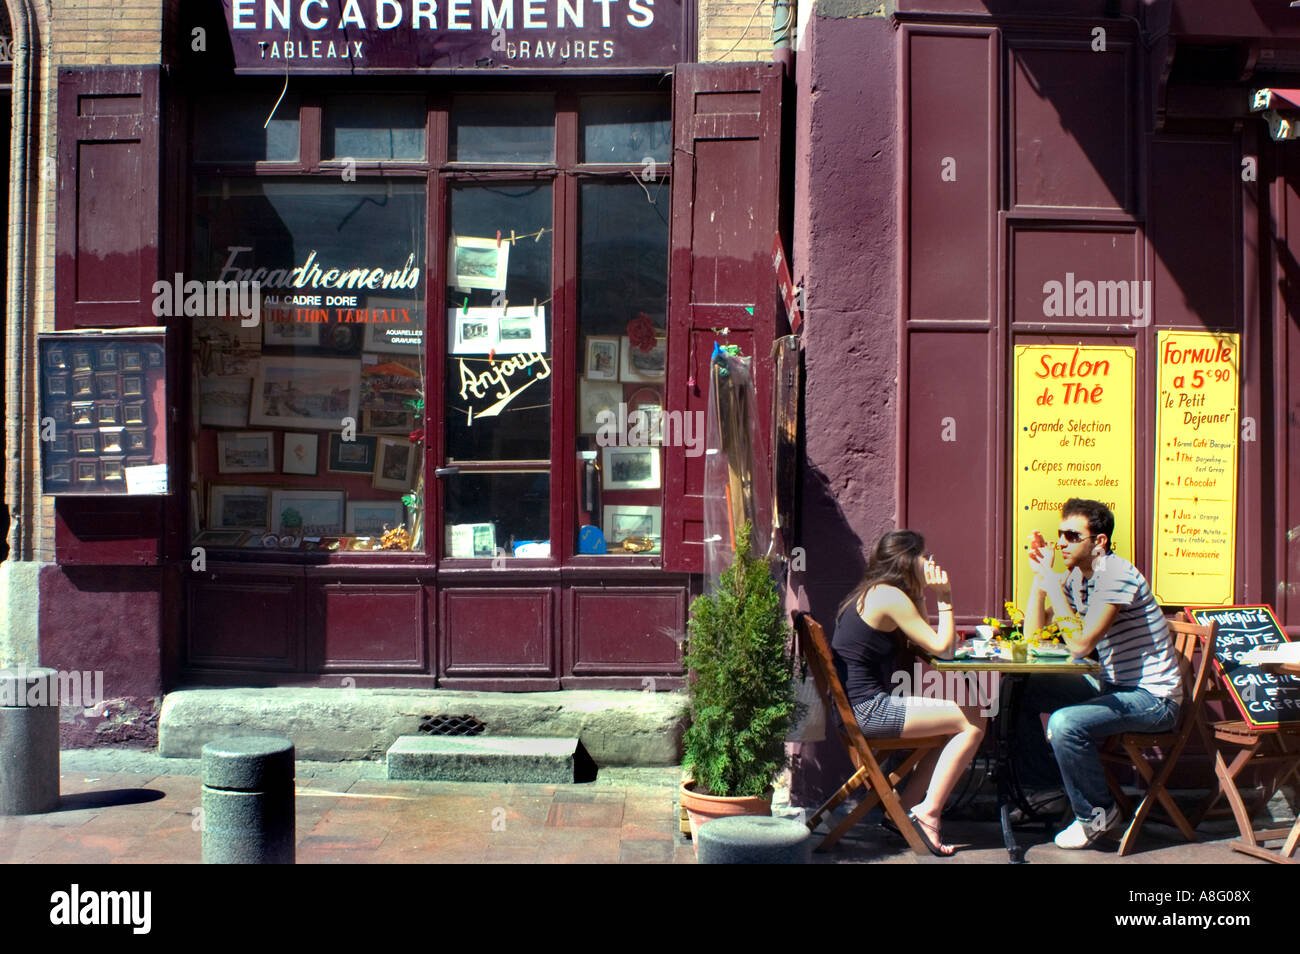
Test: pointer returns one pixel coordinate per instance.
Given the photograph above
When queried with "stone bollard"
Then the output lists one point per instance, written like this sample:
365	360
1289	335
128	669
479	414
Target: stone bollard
29	741
248	811
754	840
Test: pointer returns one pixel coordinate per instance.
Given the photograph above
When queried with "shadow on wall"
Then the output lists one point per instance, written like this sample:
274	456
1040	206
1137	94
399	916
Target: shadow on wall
835	562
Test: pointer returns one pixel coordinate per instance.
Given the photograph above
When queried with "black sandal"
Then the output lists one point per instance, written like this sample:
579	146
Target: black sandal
923	830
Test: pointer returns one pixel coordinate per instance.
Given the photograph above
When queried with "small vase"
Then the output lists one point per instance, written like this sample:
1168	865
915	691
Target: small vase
1020	651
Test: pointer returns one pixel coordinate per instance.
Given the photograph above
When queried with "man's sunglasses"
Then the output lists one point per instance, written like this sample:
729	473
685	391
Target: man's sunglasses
1072	536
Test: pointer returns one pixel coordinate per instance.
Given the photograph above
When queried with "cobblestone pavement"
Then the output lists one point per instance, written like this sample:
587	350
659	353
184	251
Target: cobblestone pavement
126	806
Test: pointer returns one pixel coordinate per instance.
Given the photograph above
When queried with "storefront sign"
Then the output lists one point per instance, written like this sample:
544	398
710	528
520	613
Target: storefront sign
1073	420
1194	549
362	36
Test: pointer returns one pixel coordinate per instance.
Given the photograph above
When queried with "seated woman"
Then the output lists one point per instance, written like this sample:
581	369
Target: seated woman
888	602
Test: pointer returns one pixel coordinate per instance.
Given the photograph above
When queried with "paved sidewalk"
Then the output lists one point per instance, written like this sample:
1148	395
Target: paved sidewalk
129	806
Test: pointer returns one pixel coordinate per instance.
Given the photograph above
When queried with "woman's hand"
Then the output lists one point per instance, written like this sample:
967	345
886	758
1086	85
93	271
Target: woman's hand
936	578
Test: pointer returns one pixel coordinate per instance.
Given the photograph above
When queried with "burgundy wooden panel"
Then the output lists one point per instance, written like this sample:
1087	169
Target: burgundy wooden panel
1286	368
493	630
108	197
949	387
245	622
371	627
1194	227
626	629
949	219
1072	122
1042	255
726	189
1288	600
113	531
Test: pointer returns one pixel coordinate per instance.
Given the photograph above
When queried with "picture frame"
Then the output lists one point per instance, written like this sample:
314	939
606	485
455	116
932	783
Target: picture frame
316	513
112	440
241	452
397	338
56	385
83	385
137	440
133	412
472	540
132	360
602	361
61	443
478	262
223	402
292	334
387	385
56	358
238	507
473	330
352	457
314	393
108	412
108	358
107	387
620	521
87	471
111	469
300	454
82	360
629	468
395	464
521	331
85	442
594	397
638	365
368	517
229	539
388	422
132	385
83	413
59	473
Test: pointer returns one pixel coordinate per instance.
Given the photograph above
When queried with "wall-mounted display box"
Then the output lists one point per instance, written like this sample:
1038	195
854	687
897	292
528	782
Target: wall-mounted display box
104	412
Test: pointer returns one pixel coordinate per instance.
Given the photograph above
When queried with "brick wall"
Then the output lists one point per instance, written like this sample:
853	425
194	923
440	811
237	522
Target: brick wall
735	30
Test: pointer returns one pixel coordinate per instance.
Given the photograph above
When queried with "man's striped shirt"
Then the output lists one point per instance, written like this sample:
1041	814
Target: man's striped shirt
1137	650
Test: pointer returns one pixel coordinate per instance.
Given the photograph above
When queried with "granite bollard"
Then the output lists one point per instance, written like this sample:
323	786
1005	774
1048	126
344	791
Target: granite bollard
754	840
248	808
29	741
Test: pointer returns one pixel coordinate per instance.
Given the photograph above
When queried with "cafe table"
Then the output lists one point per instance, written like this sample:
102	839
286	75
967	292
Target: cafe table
1010	690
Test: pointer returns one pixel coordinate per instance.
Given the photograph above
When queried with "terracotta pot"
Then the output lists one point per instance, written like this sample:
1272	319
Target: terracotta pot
701	808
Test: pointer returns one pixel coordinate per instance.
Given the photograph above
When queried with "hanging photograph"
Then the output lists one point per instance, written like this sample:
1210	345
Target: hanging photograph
236	507
473	330
478	262
300	454
625	520
305	392
246	452
630	468
638	365
521	330
315	513
374	516
223	402
602	358
352	457
395	462
594	397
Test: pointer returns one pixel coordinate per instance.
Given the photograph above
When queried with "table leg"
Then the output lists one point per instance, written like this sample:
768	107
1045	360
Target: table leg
1008	789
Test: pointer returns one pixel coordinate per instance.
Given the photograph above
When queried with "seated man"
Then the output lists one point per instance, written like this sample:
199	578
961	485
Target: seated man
1141	686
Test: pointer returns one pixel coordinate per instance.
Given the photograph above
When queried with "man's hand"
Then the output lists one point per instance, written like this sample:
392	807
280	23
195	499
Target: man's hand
1041	556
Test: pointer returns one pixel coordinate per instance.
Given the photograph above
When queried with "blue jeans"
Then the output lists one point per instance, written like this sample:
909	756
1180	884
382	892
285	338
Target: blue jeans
1081	719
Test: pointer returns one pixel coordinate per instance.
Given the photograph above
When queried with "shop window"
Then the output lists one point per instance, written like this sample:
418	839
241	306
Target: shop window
626	128
374	128
235	128
503	129
307	424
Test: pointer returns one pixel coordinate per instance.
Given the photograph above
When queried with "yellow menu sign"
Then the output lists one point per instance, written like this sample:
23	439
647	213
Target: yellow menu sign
1194	547
1073	421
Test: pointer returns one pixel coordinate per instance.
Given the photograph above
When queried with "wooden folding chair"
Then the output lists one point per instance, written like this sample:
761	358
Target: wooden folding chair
862	751
1275	752
1130	747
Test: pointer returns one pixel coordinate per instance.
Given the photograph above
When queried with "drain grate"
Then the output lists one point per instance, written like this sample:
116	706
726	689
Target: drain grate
451	725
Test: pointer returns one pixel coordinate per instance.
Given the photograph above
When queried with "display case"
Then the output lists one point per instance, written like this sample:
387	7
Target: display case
103	412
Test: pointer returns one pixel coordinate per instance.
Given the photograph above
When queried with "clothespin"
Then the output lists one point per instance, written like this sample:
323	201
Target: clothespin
534	307
492	353
538	236
498	238
465	308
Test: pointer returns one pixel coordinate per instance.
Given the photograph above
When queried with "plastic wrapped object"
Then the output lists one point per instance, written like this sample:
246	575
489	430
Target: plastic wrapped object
735	478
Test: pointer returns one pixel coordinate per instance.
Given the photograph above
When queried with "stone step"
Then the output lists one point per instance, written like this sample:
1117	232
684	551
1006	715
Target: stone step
489	758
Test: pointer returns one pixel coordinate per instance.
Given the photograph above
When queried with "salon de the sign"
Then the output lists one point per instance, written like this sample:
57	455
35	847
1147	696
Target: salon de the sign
366	36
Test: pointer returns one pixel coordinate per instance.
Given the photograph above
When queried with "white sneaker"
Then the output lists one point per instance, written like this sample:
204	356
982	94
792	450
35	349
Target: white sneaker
1081	833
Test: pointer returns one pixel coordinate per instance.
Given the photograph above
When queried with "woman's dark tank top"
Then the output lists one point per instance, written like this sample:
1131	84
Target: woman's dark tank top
864	657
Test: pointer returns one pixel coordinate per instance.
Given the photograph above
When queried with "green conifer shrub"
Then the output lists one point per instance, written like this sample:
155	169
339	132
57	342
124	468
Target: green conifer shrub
742	697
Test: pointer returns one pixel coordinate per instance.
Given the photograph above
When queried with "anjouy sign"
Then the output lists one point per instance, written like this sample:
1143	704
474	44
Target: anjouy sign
366	36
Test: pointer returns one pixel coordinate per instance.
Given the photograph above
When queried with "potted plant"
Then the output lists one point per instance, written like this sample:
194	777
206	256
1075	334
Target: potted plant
742	699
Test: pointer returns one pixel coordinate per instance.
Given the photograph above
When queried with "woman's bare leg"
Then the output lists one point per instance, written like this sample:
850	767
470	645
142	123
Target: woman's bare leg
941	717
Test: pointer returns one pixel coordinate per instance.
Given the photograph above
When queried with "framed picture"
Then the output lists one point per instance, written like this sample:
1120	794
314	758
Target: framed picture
223	402
61	443
137	440
221	538
640	365
153	355
87	471
60	473
521	331
388	385
132	385
132	360
83	413
630	468
352	457
241	452
239	507
56	358
82	360
110	358
108	412
374	516
300	453
106	385
83	385
85	442
479	262
112	440
625	520
594	397
388	422
472	540
56	385
396	337
61	412
111	469
473	330
314	513
291	333
395	462
133	412
602	358
305	392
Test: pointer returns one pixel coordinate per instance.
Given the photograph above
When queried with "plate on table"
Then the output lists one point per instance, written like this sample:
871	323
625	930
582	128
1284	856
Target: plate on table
1051	651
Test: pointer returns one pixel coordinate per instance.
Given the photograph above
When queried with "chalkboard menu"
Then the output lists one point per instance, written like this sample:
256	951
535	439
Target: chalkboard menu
103	412
1264	698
